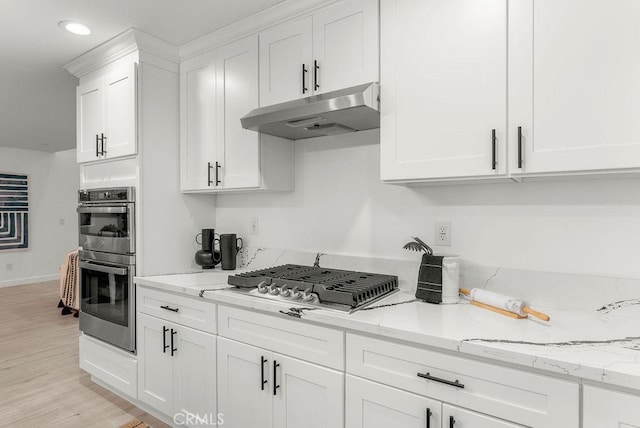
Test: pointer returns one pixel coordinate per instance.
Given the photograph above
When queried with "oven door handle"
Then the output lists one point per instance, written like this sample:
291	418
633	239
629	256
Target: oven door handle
103	210
103	268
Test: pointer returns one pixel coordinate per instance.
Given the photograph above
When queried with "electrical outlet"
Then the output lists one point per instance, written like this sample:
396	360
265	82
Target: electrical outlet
253	226
443	233
9	266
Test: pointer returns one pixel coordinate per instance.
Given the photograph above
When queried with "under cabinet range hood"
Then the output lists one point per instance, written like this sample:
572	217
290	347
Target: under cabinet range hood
337	112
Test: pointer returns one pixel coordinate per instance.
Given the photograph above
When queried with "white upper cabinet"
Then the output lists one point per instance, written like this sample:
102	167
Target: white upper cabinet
345	45
285	62
217	88
337	47
106	115
198	115
574	86
443	89
555	80
238	150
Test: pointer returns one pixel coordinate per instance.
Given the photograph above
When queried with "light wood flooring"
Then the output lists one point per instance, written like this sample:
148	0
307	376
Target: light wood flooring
41	384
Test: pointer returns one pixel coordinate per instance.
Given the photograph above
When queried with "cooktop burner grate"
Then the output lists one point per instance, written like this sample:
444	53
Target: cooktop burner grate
343	287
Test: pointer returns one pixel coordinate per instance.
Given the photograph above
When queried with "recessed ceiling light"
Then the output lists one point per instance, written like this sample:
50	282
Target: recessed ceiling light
75	28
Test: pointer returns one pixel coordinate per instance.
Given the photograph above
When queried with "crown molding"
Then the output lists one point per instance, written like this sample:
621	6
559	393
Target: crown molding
287	10
129	41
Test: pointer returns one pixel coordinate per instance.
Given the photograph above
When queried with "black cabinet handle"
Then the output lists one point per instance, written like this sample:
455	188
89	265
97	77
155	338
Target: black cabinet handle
173	350
437	379
275	372
102	150
209	182
97	151
452	421
316	67
164	339
170	309
304	79
217	173
428	418
263	381
493	149
519	146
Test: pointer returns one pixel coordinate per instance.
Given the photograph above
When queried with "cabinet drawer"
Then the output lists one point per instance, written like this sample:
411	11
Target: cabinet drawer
308	342
604	408
525	398
109	364
188	311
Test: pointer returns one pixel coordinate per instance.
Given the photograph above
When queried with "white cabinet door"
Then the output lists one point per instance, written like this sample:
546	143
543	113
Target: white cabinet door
372	405
285	62
120	113
243	397
609	409
194	372
89	119
306	395
574	90
238	151
455	417
345	45
443	89
155	383
197	122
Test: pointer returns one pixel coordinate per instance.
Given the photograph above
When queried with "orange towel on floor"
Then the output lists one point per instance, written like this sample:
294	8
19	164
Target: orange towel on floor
69	280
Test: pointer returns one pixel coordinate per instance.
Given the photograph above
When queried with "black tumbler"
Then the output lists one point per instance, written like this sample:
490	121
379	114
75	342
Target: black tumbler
229	247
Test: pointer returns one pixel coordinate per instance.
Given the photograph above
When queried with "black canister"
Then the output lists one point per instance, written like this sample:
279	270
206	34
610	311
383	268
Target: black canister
208	256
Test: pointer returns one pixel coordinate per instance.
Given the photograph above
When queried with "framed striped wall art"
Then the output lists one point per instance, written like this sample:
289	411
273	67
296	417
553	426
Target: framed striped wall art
14	212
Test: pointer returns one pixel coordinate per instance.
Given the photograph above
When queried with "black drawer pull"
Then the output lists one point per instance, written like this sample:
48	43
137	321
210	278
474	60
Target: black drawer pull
519	146
263	381
437	379
494	144
209	182
275	374
170	309
304	78
428	417
452	421
164	339
173	350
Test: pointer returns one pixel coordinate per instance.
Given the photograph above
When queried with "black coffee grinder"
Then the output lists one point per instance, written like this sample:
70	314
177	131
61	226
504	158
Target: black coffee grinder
208	257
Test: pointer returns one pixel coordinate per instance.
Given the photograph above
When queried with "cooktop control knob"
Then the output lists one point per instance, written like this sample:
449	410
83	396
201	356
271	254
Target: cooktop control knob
307	295
274	290
295	293
262	287
285	291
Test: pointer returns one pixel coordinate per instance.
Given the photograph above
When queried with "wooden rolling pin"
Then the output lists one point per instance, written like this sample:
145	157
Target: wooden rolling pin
504	305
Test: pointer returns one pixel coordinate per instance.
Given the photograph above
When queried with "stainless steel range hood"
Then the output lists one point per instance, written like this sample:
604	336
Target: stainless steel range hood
338	112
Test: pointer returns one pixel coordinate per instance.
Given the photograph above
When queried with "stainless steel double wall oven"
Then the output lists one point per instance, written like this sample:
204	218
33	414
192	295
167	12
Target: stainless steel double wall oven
106	222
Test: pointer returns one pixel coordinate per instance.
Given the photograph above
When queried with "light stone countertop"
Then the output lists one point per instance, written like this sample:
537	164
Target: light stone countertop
600	345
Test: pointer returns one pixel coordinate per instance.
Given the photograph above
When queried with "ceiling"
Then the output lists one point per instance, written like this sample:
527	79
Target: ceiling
37	96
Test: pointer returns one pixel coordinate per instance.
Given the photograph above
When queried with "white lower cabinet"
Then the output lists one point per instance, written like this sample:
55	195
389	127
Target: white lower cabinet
176	369
603	408
283	392
372	405
501	393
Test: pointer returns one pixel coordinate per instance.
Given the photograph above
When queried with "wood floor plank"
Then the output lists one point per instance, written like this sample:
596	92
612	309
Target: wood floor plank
41	384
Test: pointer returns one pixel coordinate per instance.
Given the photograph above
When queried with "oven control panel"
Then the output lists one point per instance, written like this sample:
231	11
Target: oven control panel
116	194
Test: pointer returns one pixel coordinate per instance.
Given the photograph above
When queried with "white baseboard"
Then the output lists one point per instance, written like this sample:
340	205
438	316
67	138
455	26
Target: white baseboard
29	280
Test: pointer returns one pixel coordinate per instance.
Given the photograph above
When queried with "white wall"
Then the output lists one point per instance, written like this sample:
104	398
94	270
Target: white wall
53	186
340	206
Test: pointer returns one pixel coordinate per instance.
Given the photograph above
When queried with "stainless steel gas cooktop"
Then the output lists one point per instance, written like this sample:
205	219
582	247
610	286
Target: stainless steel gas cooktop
316	286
